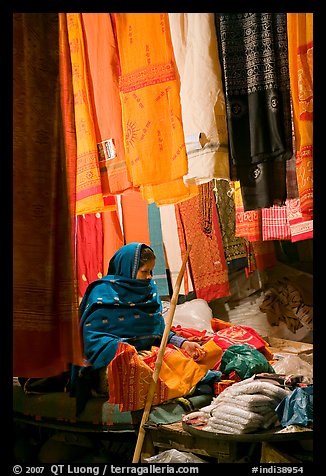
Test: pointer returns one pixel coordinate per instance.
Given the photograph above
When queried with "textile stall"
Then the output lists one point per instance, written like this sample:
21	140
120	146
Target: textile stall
178	131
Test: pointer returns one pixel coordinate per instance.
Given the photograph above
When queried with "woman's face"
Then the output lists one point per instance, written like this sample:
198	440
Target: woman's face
145	271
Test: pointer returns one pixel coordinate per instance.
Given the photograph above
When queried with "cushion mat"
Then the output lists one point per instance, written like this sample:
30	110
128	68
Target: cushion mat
98	415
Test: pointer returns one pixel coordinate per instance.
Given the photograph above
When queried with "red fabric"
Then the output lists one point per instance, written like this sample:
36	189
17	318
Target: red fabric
218	324
89	249
207	262
189	333
264	252
235	334
112	237
275	223
301	227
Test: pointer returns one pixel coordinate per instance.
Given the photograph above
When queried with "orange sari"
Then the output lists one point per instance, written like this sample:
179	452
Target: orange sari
129	374
248	224
88	181
103	63
300	38
151	109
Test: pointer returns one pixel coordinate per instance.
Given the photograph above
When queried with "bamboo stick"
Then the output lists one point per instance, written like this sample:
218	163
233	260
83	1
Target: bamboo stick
159	359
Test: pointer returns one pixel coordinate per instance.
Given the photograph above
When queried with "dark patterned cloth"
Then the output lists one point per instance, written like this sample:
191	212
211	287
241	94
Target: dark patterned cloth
234	246
254	57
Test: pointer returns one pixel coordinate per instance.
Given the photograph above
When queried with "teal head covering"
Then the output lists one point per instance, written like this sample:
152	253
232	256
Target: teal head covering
125	261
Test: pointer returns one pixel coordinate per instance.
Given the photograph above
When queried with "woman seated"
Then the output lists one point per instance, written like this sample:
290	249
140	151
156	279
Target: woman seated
124	307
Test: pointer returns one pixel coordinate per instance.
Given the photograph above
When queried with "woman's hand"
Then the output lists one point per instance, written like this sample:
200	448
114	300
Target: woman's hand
193	349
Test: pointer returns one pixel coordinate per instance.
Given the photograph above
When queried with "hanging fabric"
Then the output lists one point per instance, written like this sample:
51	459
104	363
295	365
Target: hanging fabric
103	64
234	246
134	217
46	335
254	58
112	235
264	252
151	109
300	37
202	97
301	229
208	266
89	249
275	223
156	243
89	197
68	117
172	249
247	223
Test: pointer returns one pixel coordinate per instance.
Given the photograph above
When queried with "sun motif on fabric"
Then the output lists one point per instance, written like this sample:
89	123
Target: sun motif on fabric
131	132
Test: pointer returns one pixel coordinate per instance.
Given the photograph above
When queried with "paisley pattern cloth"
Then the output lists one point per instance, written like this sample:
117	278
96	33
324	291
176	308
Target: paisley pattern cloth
207	263
254	58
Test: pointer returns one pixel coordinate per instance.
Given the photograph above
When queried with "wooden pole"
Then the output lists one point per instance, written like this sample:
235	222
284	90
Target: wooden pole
159	359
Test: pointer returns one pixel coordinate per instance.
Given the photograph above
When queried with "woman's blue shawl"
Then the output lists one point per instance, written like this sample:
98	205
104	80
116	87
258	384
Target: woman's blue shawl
118	308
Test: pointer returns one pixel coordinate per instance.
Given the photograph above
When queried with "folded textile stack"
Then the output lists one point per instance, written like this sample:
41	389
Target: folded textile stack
245	407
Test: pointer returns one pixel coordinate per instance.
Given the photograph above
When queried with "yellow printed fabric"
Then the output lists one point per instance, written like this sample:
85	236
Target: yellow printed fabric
130	374
300	38
151	109
88	180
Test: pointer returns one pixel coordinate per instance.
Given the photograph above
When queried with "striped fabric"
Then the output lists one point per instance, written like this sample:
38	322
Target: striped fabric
275	223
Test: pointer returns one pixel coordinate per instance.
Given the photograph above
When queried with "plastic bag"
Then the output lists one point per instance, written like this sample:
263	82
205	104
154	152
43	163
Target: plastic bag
296	408
174	456
195	314
294	365
245	361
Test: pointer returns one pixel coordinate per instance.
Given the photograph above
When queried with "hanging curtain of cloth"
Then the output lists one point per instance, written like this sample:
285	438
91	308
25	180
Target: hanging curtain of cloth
151	109
134	217
201	228
156	243
89	249
300	37
68	116
264	254
234	246
89	198
248	224
253	52
202	96
102	57
112	236
45	306
172	249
